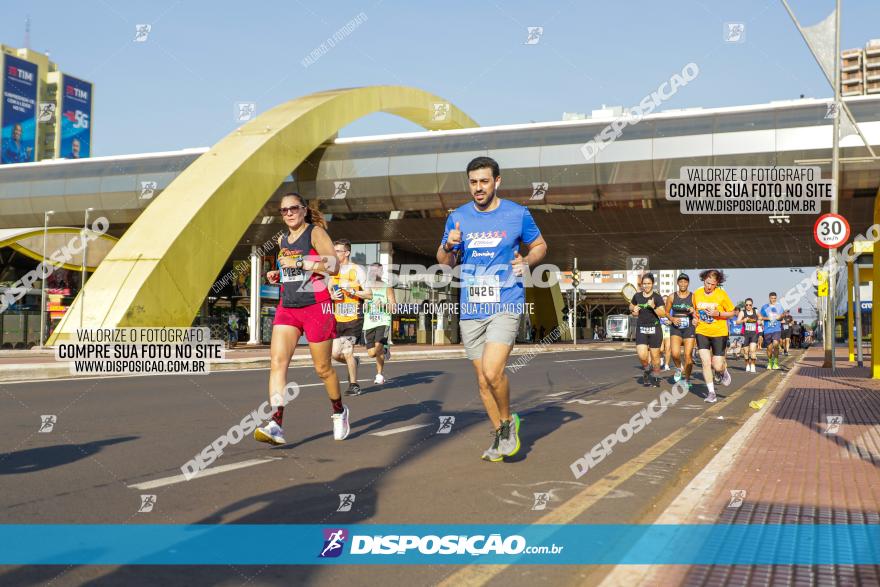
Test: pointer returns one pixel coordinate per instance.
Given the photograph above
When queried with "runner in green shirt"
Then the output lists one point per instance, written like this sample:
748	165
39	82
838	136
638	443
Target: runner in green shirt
377	320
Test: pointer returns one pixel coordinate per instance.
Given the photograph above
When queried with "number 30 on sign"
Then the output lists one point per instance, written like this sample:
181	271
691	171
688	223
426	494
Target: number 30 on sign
831	231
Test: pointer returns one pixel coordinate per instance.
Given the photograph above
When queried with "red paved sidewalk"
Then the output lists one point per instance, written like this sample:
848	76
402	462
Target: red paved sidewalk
794	468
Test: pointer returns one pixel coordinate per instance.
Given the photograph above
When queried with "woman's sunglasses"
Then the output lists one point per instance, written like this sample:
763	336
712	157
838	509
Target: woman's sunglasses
290	209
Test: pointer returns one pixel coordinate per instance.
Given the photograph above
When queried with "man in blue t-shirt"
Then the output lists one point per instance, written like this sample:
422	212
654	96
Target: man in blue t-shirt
485	236
14	149
770	315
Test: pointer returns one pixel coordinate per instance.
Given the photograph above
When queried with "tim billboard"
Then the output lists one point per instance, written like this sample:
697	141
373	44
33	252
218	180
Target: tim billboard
18	114
76	118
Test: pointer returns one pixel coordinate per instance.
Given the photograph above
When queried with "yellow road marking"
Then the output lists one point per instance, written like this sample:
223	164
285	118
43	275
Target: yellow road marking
474	575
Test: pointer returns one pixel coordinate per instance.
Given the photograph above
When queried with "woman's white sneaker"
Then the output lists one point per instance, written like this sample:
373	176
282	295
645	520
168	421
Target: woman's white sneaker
340	424
270	433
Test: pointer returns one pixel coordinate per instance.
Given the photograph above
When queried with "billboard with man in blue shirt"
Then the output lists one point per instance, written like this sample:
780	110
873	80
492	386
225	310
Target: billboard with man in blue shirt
18	134
76	118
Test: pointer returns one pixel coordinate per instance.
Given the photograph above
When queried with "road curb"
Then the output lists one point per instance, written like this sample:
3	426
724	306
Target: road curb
23	372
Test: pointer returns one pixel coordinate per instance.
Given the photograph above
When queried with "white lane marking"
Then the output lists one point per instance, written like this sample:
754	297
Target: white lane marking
206	473
596	358
399	430
559	393
605	402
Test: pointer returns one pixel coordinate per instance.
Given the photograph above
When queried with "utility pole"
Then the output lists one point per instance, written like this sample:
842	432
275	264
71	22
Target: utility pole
82	278
831	308
575	281
820	309
43	279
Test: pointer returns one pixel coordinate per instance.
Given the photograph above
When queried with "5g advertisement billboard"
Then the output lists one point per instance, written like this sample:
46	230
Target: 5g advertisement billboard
76	118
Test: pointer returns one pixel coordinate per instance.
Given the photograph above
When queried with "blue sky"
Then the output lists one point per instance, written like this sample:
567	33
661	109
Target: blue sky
179	88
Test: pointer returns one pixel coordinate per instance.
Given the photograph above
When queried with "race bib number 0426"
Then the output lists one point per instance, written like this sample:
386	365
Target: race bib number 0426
484	289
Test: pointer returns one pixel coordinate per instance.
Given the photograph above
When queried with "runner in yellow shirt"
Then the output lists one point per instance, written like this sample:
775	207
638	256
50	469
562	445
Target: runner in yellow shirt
713	307
348	292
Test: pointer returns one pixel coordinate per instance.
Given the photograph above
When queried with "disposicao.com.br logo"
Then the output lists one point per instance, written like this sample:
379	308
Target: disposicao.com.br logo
431	544
334	542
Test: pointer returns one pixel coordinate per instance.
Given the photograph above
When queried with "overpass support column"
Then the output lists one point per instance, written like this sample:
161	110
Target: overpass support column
386	259
547	304
875	289
386	256
849	314
256	278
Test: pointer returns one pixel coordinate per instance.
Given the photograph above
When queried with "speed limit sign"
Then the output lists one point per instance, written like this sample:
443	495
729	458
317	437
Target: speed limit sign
831	231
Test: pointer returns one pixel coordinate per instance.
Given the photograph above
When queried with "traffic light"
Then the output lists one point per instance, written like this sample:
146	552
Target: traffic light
574	280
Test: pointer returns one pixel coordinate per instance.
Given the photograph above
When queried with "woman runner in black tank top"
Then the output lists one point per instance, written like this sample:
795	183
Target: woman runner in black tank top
299	287
680	307
648	306
305	261
748	317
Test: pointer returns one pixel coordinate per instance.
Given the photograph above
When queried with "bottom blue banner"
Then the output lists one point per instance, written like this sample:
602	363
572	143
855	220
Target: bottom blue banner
704	544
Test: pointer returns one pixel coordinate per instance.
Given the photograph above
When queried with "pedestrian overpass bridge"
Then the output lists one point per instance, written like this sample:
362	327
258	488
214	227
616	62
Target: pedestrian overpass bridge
400	187
180	215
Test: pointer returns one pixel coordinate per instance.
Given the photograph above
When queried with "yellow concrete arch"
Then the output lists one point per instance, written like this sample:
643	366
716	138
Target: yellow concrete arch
29	242
160	271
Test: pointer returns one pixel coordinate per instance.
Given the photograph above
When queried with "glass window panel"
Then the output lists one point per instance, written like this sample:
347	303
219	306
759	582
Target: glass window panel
740	121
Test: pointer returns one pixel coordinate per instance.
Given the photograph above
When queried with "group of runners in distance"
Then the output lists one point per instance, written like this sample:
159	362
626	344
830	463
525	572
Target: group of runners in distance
699	319
494	241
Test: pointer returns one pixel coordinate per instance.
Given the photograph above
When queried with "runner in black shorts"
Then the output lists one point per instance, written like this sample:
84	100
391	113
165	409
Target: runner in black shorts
713	309
680	307
649	307
748	317
770	314
786	332
797	332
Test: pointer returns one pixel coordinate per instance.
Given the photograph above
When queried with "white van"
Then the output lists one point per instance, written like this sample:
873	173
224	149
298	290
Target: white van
620	327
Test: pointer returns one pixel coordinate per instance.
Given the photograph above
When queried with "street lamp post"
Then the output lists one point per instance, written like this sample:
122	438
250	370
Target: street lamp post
574	306
831	308
817	41
82	281
43	279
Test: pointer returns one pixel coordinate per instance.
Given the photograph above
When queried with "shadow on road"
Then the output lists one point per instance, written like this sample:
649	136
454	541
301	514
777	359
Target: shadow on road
308	503
48	457
395	415
538	423
312	502
403	380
